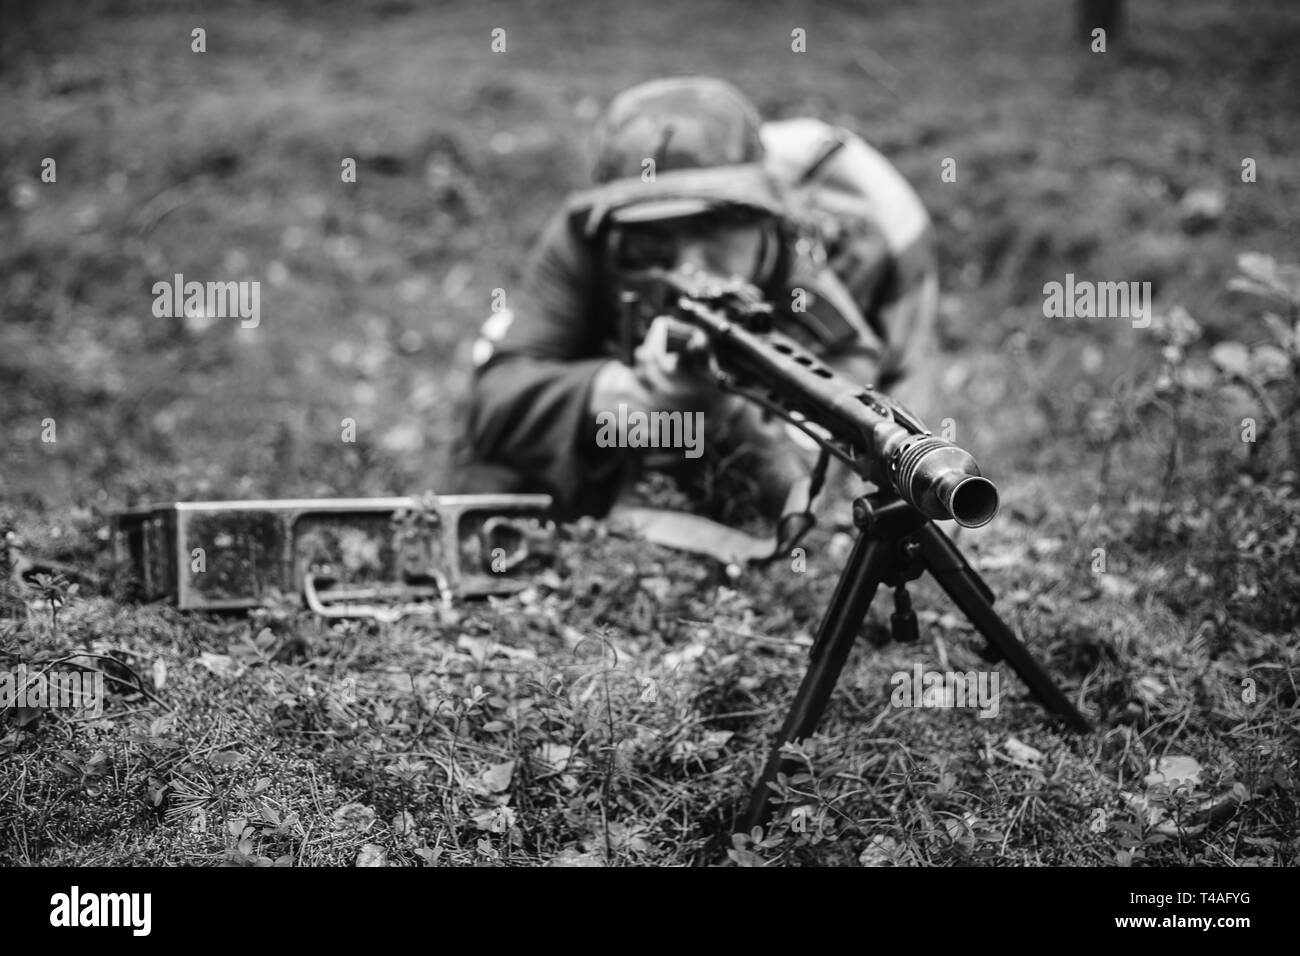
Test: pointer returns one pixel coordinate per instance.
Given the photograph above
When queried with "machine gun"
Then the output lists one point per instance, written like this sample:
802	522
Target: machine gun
728	329
866	429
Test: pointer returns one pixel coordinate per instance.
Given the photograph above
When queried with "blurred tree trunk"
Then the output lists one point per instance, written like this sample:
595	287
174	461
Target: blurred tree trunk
1106	14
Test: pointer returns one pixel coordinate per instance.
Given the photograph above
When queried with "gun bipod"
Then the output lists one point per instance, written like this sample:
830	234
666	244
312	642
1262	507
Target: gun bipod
895	544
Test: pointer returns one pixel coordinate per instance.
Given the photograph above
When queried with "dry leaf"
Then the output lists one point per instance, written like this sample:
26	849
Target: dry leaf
1232	357
554	757
495	819
1268	363
354	817
1210	810
371	854
624	837
220	664
497	777
1040	547
1149	689
997	559
1021	753
1114	586
573	857
881	851
429	856
480	648
1174	771
1150	809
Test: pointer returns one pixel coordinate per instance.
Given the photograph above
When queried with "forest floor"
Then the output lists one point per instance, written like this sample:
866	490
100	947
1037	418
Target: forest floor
1146	554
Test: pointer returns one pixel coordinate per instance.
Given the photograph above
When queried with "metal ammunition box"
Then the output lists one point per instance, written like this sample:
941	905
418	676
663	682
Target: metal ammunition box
347	557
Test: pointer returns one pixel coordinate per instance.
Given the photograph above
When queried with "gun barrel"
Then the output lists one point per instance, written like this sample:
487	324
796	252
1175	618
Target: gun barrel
973	501
936	477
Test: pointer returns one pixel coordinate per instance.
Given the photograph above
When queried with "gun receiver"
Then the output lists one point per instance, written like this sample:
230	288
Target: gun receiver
871	432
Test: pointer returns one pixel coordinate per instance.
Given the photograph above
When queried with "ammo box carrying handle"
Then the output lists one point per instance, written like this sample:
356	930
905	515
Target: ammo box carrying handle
488	535
340	601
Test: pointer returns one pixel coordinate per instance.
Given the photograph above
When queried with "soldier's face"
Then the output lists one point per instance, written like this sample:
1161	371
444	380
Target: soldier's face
727	250
726	246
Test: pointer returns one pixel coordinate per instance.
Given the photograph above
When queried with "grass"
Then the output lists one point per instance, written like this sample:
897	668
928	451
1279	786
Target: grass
511	733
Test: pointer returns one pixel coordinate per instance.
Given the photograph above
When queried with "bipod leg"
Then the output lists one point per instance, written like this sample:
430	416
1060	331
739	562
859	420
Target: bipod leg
974	598
882	521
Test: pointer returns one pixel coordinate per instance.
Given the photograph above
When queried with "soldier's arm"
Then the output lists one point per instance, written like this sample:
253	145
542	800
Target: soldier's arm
535	364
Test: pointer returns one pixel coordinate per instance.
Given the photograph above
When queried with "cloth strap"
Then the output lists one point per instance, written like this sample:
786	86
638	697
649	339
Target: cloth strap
692	533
